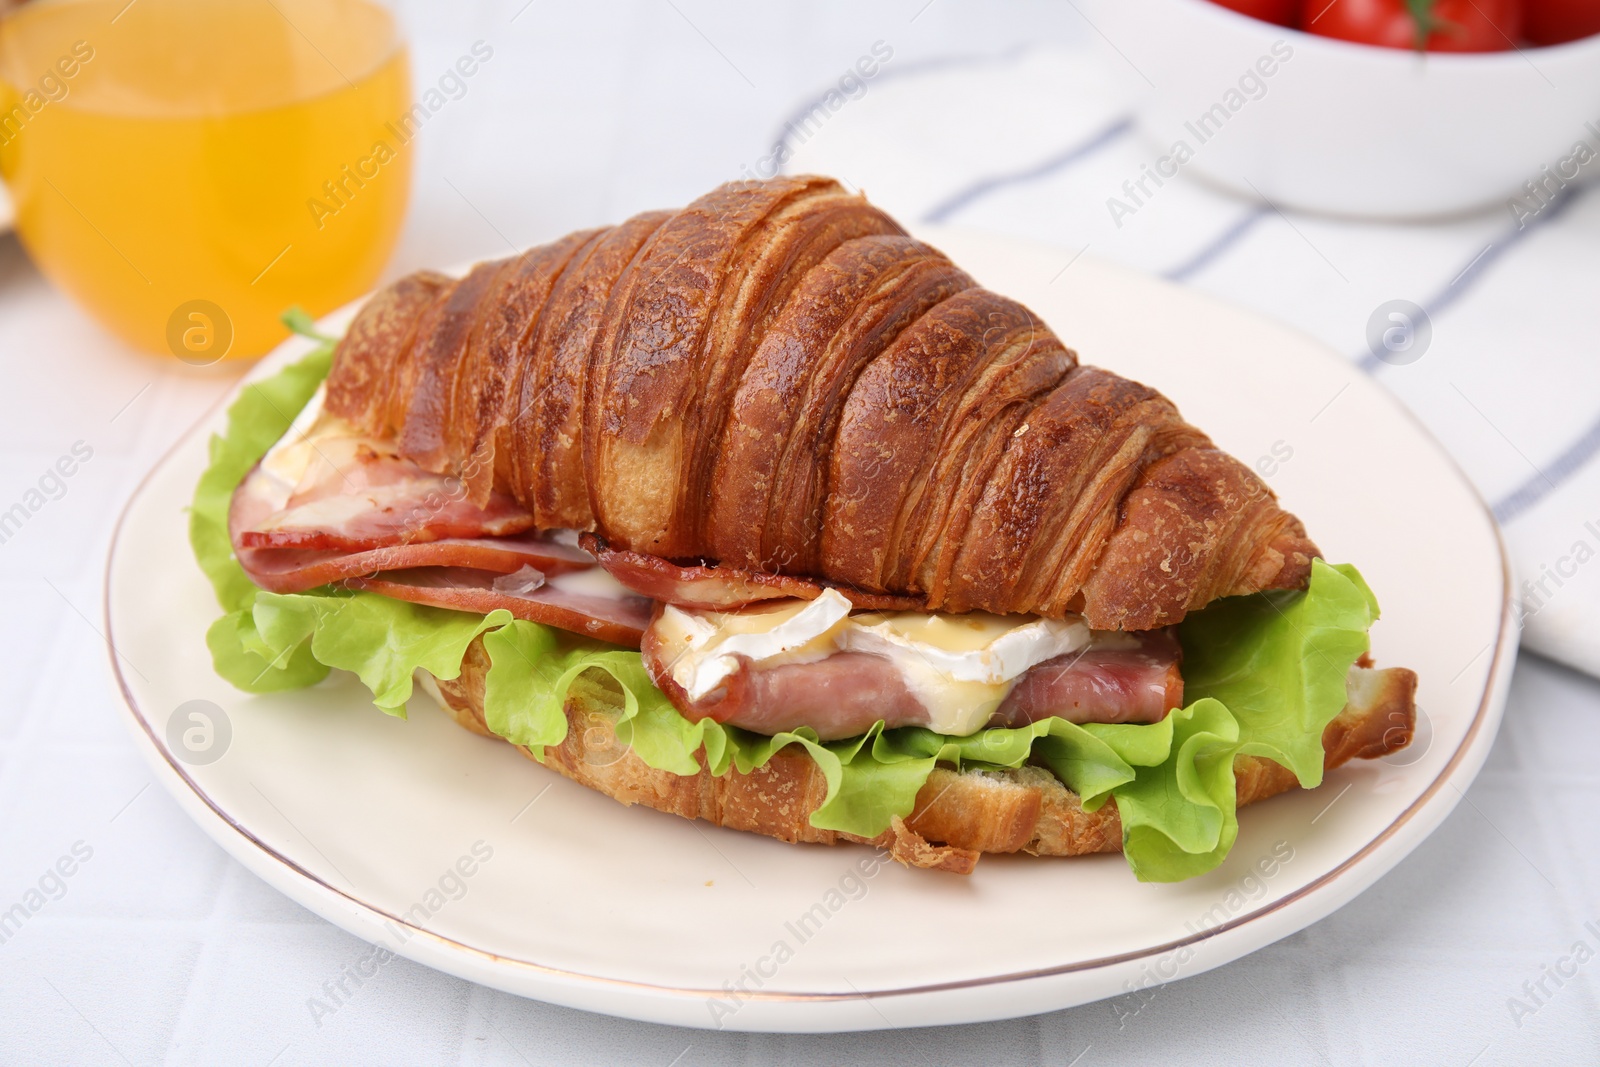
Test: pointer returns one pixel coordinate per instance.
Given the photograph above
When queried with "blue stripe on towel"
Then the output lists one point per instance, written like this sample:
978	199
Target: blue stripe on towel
1548	479
1542	484
781	143
984	186
1220	244
1489	255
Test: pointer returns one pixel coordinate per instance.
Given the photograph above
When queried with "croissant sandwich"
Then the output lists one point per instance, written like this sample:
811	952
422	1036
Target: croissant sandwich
764	513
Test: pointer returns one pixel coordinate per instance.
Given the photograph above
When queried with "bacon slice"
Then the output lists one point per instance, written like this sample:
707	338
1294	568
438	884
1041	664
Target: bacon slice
843	694
720	588
619	619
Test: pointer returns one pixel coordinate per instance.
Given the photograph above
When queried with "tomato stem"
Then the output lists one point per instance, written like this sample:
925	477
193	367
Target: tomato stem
1425	21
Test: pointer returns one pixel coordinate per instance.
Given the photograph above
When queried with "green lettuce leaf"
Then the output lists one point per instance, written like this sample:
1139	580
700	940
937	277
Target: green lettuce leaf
255	422
1264	675
383	642
243	659
1279	662
1179	816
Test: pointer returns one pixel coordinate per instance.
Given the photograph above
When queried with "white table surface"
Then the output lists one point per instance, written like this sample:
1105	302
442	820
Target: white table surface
162	949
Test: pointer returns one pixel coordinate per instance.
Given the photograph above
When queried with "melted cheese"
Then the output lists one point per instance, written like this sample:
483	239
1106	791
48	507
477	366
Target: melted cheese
289	461
960	667
702	646
590	582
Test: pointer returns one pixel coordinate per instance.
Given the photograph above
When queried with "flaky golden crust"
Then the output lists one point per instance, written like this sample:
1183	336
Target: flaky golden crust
546	431
1195	526
378	345
487	391
428	426
959	815
1055	499
681	326
914	438
767	496
776	378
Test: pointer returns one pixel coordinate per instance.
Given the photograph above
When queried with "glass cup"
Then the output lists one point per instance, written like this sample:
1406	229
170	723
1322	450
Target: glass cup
190	169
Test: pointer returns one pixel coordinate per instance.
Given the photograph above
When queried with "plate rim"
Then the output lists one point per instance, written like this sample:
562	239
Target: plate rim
243	845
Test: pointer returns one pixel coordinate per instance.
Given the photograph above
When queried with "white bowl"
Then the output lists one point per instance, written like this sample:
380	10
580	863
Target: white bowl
1346	128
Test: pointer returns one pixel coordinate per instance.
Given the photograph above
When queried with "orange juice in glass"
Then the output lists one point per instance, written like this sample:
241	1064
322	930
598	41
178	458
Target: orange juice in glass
188	169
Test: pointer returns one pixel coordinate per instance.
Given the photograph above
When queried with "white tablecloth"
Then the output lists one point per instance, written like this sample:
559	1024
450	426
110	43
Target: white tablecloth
158	948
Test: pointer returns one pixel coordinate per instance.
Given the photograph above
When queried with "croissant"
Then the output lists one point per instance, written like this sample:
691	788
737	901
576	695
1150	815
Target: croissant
778	382
837	494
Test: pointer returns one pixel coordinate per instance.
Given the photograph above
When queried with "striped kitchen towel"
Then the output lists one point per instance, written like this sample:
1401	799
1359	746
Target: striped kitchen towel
1039	143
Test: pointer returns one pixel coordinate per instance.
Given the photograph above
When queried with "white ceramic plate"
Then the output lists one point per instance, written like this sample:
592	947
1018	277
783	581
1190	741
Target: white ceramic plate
577	900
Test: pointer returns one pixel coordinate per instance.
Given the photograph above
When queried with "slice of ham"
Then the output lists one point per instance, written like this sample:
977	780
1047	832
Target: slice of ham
1103	683
721	588
294	570
360	514
840	696
618	619
843	694
356	494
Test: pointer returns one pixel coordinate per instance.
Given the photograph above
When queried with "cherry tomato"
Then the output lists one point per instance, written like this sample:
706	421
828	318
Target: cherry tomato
1555	21
1282	12
1451	25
